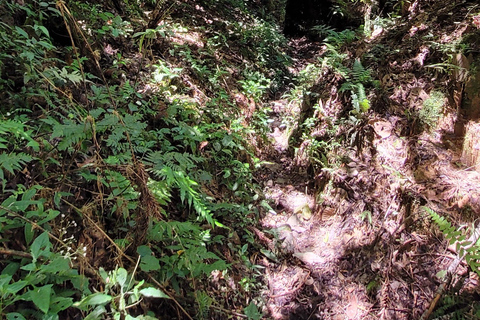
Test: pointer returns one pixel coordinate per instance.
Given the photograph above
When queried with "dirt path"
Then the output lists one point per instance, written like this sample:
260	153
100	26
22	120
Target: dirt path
364	249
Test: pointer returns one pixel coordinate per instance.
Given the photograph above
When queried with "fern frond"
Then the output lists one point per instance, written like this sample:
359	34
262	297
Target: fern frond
175	160
204	301
71	133
324	30
359	73
468	249
12	162
186	187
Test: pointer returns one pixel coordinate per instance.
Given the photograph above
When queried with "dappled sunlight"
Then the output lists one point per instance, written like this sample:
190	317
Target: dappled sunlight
187	160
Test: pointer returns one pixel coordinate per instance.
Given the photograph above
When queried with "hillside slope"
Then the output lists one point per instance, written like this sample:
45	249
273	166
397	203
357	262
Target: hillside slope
185	160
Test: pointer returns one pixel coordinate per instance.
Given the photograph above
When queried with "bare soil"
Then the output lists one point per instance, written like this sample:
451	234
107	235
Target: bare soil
353	241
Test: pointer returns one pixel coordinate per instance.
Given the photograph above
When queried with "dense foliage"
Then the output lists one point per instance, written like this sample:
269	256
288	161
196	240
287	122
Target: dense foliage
109	161
130	133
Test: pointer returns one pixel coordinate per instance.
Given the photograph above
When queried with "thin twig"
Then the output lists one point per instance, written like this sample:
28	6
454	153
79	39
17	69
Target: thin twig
230	311
9	252
34	224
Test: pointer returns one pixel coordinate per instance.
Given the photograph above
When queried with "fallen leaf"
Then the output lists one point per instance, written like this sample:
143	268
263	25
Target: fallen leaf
352	307
309	257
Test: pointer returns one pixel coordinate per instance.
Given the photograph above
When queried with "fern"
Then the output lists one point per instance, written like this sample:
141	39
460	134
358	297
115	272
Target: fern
465	247
62	77
12	162
452	307
15	129
175	160
204	301
324	30
187	192
356	79
334	37
359	73
71	133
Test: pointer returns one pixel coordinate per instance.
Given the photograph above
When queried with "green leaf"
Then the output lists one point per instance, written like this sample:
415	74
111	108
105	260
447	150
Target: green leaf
40	243
41	297
441	274
136	292
4	281
10	269
95	299
44	30
60	303
252	312
50	316
13	161
144	251
29	233
22	32
149	263
16	286
15	316
96	313
122	276
103	274
52	214
59	264
153	293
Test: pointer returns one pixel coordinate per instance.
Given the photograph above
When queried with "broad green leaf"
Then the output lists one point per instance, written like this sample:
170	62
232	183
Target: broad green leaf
4	281
29	233
41	297
29	267
149	263
60	303
51	214
50	316
10	269
16	286
122	276
41	242
59	264
44	30
153	293
252	312
144	251
15	316
30	193
93	300
96	313
22	32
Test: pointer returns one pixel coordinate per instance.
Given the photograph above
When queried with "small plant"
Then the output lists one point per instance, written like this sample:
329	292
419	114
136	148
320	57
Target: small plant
432	109
120	293
147	37
356	79
255	84
367	215
335	38
466	248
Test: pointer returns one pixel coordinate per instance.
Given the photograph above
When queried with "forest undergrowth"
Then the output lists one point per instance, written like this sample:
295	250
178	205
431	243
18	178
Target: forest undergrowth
185	160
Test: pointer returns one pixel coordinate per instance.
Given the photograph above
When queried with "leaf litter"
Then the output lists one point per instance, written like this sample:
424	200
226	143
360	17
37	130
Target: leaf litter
369	251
